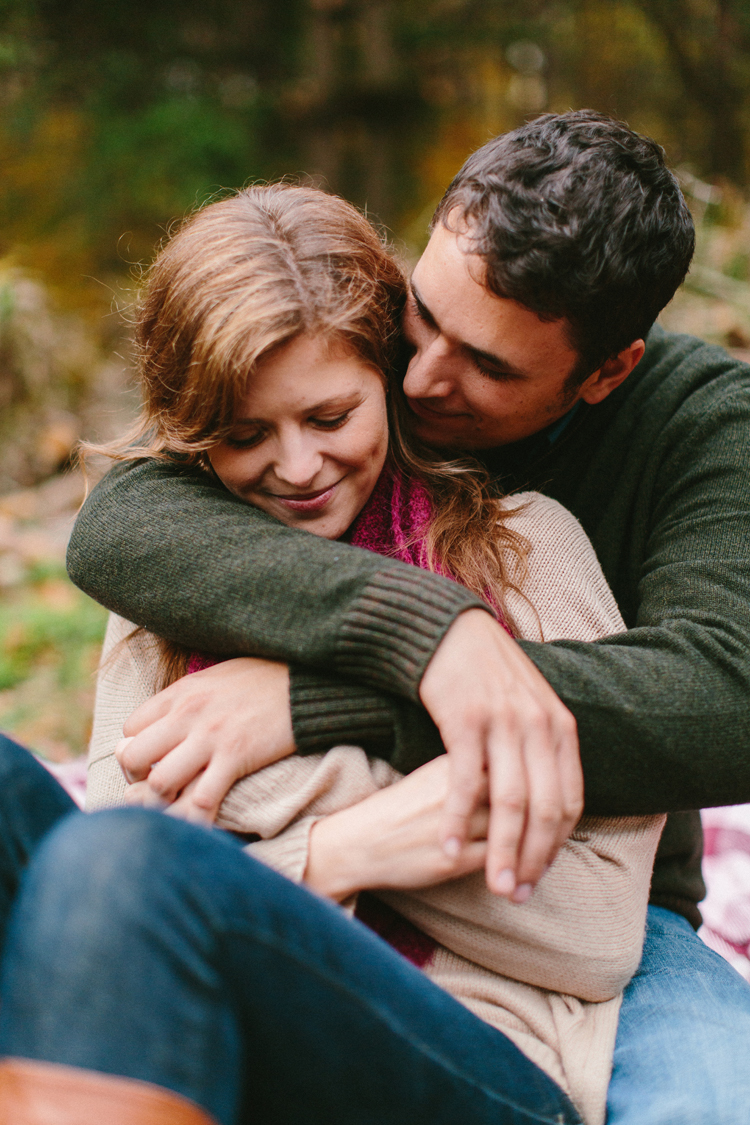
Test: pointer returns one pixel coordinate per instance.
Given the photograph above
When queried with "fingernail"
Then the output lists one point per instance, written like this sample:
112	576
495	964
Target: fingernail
523	893
505	882
452	847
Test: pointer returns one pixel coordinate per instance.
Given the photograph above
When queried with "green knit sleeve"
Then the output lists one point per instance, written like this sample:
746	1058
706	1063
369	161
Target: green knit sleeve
169	548
663	710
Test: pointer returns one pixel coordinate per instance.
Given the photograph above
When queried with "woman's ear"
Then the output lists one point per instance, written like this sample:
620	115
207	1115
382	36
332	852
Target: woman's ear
613	372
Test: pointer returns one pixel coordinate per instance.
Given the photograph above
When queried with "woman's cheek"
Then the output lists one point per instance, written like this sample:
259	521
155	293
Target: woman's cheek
374	435
236	469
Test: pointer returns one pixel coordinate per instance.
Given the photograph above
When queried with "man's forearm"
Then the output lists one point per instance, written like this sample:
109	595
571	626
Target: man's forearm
661	726
170	549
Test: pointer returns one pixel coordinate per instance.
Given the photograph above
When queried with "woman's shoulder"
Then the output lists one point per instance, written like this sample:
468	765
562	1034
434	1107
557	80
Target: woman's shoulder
564	584
533	512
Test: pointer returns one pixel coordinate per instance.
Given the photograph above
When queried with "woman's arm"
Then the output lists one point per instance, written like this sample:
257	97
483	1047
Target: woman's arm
582	930
127	677
580	933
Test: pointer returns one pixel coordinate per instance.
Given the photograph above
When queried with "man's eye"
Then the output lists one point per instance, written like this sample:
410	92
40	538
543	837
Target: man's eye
495	373
421	313
331	423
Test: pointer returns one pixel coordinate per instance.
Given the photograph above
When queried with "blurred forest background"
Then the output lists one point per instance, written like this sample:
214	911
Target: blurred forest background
118	117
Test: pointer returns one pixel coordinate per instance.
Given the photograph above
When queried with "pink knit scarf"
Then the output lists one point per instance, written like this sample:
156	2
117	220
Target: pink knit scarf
394	522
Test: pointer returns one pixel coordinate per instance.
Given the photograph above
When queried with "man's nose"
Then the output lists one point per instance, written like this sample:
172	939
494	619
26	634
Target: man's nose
429	372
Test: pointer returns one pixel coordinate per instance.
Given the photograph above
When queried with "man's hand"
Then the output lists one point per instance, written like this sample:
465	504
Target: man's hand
217	726
497	713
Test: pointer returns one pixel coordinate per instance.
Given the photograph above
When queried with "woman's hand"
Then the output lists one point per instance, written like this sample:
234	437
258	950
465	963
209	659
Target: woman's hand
393	839
211	727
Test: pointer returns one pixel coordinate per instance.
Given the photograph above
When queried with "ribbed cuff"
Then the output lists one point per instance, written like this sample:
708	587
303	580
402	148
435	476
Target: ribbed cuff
328	713
392	630
287	853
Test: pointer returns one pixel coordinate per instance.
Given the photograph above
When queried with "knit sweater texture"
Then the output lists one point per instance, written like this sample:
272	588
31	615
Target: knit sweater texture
550	974
658	476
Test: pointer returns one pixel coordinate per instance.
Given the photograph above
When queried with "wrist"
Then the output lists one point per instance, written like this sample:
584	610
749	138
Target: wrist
332	868
470	635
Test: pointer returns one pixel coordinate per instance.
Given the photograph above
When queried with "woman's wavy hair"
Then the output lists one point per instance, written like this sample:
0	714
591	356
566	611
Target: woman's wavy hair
246	275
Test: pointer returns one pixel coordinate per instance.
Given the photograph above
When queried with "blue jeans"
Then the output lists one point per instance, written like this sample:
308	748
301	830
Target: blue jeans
143	946
147	947
682	1055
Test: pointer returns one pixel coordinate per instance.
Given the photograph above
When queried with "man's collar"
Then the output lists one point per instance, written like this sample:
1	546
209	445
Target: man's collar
514	466
553	432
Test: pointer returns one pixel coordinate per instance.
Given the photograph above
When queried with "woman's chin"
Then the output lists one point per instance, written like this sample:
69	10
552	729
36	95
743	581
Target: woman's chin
326	525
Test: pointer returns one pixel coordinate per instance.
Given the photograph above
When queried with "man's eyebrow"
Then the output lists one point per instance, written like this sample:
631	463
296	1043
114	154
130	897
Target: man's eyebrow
480	357
424	312
489	360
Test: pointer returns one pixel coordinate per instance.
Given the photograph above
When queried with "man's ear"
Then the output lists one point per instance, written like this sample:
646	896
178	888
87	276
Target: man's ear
609	376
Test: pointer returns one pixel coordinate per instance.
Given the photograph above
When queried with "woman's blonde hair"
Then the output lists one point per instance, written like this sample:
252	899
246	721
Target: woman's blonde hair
248	274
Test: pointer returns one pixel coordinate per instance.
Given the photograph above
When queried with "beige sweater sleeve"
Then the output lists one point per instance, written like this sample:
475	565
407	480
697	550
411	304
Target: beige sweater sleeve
580	933
128	675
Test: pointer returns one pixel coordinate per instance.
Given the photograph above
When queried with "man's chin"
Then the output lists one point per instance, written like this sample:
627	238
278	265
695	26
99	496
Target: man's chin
449	434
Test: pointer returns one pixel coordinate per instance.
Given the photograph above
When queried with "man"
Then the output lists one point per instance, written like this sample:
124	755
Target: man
551	255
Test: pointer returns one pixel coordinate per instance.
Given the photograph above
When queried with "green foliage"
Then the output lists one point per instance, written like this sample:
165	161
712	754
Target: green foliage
120	117
50	637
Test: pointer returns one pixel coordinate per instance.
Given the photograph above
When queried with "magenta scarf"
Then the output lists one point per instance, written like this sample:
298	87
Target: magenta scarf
394	522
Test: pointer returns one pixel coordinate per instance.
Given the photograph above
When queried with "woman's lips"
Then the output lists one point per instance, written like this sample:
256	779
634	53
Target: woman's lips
310	502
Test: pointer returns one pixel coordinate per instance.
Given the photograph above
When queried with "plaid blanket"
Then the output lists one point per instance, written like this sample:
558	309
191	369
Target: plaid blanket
726	867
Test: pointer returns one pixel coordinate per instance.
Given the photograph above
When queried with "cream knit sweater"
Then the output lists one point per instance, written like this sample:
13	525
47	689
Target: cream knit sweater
548	974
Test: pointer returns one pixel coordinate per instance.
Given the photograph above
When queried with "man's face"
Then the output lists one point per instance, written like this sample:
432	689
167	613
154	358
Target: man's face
486	371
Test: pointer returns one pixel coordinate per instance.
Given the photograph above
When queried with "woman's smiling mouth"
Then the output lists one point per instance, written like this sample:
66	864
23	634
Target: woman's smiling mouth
308	501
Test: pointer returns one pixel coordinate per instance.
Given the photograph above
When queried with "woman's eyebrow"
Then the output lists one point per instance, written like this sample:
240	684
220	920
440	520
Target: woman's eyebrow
337	402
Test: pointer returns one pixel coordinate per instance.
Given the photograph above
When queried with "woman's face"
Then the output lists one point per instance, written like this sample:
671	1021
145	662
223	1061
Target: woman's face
310	437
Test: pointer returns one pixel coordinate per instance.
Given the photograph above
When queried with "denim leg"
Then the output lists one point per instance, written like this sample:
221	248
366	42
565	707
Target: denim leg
683	1044
31	802
155	949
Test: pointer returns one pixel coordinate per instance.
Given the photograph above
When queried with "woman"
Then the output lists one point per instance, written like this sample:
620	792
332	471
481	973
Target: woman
305	437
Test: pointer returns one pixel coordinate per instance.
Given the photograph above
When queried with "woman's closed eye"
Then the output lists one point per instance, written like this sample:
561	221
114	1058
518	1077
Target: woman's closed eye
246	440
331	423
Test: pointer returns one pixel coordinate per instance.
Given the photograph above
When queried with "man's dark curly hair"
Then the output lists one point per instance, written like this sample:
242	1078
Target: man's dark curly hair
576	217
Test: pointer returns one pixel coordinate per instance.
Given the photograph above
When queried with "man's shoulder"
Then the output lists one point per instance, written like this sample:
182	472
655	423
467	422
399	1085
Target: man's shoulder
676	366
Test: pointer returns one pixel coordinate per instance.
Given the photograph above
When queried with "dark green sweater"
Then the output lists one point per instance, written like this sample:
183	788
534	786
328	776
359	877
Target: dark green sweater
658	475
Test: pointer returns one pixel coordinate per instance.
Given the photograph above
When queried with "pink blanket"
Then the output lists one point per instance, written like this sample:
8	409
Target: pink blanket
726	867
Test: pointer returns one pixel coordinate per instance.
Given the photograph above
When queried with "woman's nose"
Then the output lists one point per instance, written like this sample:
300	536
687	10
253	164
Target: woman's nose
298	461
